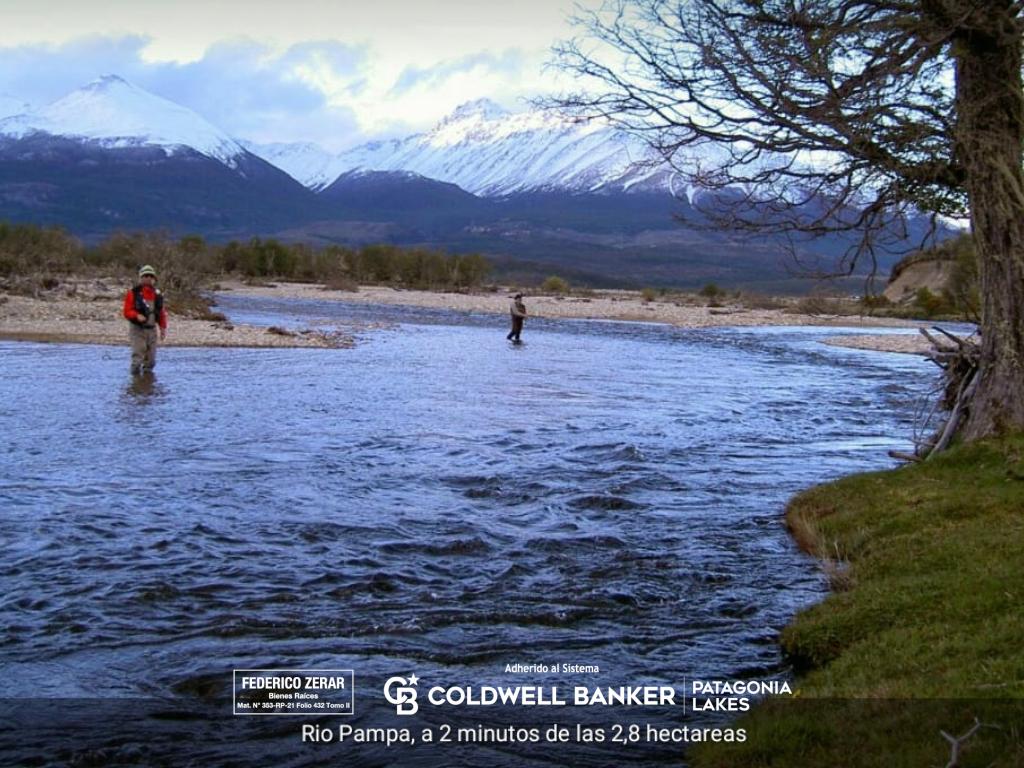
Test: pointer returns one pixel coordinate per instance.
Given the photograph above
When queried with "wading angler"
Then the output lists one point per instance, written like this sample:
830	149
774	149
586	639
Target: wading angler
145	313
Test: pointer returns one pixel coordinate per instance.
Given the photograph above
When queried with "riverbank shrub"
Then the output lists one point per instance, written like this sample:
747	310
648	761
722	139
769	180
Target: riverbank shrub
30	254
872	303
711	291
928	635
754	300
555	284
964	286
818	304
930	304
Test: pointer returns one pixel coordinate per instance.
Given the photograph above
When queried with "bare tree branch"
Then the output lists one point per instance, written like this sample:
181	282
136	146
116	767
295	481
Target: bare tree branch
805	118
815	117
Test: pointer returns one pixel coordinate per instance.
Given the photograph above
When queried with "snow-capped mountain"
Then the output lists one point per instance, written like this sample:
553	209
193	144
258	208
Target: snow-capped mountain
112	113
9	105
486	150
533	188
309	164
112	156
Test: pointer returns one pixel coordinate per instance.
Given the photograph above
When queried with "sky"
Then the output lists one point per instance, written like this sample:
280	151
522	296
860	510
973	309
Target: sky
334	72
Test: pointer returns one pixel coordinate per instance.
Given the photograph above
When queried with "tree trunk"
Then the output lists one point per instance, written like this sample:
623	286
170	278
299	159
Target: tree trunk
990	125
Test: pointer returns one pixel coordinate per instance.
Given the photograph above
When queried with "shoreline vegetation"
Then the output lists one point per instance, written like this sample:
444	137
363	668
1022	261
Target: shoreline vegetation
88	311
921	633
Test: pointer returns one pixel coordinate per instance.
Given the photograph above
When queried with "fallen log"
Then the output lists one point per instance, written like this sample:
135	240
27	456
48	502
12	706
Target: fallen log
967	389
958	358
903	456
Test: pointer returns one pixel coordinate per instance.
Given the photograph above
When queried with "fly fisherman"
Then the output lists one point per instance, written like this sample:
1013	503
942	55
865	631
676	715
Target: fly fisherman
144	310
518	312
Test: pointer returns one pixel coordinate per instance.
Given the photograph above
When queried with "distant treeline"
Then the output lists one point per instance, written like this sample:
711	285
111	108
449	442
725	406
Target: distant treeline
30	251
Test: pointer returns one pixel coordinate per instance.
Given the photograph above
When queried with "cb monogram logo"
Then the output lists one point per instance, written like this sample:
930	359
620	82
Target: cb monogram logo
402	693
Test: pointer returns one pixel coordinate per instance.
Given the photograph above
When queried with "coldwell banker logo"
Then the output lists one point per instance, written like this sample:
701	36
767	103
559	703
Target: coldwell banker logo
401	692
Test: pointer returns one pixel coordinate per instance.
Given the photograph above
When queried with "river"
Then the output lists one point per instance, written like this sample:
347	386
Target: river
434	501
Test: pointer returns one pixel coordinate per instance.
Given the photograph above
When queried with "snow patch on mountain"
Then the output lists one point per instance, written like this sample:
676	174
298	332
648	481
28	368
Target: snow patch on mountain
114	113
480	108
489	151
9	105
307	163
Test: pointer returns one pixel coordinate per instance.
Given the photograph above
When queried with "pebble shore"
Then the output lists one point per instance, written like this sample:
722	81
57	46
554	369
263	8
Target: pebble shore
90	312
611	305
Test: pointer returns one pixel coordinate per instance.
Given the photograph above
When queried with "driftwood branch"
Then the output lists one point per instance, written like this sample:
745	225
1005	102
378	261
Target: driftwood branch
961	343
903	456
942	359
958	358
938	343
963	398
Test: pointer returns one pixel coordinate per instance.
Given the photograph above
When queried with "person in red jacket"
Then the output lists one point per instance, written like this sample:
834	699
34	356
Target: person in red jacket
144	310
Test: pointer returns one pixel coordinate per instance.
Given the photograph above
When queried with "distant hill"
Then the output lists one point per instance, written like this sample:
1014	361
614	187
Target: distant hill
92	190
536	193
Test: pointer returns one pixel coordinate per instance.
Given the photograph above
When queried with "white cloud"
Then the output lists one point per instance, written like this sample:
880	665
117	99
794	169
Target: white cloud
509	62
317	70
240	86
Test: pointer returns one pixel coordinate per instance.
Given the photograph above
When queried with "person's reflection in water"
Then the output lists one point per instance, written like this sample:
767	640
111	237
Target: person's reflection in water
143	387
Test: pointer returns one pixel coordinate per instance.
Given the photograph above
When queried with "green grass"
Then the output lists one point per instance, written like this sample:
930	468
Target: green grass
924	631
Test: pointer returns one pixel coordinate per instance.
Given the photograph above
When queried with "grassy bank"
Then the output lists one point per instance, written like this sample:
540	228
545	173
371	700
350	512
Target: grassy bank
924	630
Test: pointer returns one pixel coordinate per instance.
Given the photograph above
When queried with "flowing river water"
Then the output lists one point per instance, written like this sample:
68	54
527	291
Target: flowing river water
434	501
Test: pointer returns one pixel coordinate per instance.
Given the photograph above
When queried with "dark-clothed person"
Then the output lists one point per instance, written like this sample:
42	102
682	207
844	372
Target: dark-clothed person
518	311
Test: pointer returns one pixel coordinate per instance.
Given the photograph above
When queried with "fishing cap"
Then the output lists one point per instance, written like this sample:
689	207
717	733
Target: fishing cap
147	270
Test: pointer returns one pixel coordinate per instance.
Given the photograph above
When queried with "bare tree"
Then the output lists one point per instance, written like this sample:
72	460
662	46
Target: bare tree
822	116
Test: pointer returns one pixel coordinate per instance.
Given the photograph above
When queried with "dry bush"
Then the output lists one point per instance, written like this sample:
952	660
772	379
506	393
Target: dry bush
752	300
340	283
819	305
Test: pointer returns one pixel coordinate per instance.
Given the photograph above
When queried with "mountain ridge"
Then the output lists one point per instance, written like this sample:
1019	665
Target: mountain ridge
113	113
527	187
490	152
